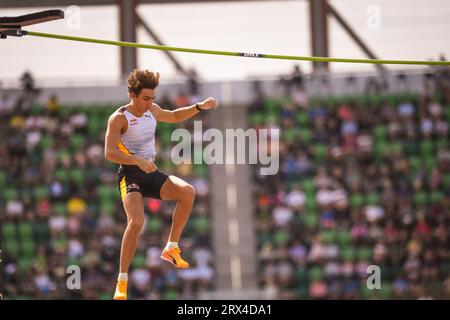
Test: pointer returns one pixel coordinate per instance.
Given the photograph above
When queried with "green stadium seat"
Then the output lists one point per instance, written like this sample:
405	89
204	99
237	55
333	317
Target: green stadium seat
420	198
11	247
94	125
27	192
301	277
62	175
375	100
314	100
46	142
445	269
271	104
201	225
327	236
288	135
447	111
2	179
165	138
301	292
201	171
60	208
64	112
410	148
362	99
36	109
430	162
154	225
77	175
297	133
396	147
446	180
311	202
319	152
299	219
437	197
108	208
106	193
331	101
344	238
60	242
9	194
138	261
373	199
315	273
41	192
356	200
263	237
272	117
426	147
28	248
392	99
24	265
415	163
305	135
386	291
26	231
380	133
364	254
105	295
347	254
41	232
368	293
302	118
73	261
256	118
408	97
170	294
63	153
189	229
380	148
23	297
281	237
390	272
76	141
9	231
441	144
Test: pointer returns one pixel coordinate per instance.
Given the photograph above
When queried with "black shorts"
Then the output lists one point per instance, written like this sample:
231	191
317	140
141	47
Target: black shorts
131	178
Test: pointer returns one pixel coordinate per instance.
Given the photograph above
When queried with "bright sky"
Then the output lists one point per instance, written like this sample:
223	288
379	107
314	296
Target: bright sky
408	29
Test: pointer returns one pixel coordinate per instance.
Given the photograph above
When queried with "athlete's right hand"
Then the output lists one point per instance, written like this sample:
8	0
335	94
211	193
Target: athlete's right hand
145	165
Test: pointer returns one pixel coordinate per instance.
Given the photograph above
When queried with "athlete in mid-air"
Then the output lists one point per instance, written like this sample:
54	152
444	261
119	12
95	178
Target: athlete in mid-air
130	142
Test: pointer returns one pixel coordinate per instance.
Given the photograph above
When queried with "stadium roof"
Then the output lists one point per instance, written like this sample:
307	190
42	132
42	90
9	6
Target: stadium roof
45	3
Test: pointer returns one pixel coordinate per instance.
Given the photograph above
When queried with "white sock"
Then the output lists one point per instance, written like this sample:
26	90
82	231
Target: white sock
123	276
171	245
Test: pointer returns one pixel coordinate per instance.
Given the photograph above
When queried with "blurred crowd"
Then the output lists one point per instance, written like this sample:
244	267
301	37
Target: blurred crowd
364	180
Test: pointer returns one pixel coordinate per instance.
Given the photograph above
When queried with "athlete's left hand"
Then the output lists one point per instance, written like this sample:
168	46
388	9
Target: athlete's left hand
208	104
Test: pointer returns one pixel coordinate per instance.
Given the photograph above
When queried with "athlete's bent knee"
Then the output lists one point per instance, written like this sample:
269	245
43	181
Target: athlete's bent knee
136	224
188	193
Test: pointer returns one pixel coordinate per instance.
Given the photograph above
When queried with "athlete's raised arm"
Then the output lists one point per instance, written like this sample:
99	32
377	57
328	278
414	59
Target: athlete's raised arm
181	114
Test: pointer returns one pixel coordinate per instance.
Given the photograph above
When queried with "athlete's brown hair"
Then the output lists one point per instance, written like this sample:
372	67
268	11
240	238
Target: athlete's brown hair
142	79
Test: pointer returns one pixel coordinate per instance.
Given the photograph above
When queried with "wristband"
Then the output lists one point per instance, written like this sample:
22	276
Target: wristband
198	108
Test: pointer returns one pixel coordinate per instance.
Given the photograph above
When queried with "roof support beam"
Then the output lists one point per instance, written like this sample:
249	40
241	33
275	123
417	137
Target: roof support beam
127	25
158	40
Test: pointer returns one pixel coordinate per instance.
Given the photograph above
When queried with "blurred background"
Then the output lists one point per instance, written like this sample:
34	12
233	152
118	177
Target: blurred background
364	173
